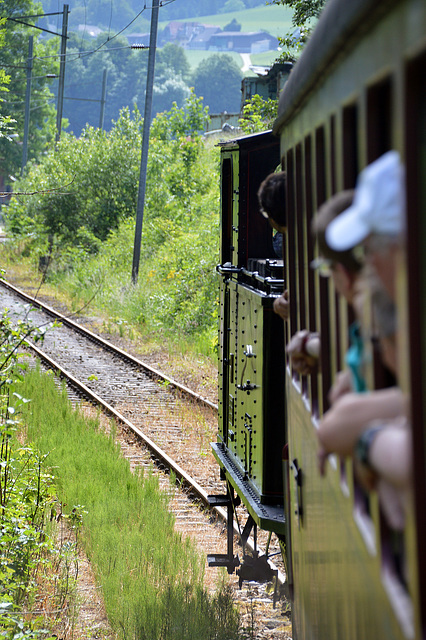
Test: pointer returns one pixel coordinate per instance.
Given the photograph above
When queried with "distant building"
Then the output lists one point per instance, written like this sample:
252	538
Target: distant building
180	32
195	35
254	42
267	83
202	39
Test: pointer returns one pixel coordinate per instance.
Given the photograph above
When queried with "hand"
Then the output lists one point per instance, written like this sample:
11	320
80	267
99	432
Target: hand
322	456
365	476
301	360
342	385
282	306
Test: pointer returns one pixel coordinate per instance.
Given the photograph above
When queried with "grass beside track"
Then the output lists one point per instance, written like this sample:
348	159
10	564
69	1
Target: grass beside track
152	578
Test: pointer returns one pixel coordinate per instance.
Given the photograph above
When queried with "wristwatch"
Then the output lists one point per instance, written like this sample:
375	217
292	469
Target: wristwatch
362	447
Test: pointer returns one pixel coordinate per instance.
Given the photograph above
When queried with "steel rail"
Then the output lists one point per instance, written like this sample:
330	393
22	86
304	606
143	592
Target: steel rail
157	452
155	373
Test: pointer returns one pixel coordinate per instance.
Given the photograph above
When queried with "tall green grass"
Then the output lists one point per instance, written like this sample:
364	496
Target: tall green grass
151	577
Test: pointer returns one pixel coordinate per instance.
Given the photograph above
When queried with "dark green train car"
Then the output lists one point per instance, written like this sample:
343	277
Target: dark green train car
251	368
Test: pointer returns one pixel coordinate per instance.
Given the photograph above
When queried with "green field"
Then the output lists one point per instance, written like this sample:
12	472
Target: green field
265	58
273	19
196	56
276	20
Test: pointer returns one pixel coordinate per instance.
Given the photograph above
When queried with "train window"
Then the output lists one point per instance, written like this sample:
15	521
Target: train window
226	201
379	119
301	259
320	164
394	574
362	515
305	249
323	284
333	154
311	318
291	244
415	323
350	146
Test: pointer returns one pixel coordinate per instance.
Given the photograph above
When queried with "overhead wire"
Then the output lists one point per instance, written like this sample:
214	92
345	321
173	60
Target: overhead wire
110	17
85	24
82	55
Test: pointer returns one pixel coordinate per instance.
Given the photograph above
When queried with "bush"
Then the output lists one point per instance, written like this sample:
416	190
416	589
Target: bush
91	237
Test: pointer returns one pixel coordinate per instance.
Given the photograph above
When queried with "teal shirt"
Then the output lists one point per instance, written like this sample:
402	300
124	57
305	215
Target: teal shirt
354	358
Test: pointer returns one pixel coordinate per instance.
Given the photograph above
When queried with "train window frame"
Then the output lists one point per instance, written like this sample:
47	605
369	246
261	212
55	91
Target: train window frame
227	190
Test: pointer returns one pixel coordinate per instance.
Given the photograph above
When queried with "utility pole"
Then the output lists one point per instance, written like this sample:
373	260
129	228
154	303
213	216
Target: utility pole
64	38
27	105
103	100
145	140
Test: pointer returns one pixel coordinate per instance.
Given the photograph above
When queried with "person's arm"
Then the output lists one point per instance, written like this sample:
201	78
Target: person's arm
341	427
389	453
281	306
342	385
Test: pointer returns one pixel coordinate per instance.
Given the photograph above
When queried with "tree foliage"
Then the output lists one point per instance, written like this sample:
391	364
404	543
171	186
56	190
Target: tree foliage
126	80
13	59
96	177
305	12
89	184
218	80
258	114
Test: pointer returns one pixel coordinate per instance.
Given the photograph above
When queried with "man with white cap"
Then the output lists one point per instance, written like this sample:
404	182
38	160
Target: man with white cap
375	218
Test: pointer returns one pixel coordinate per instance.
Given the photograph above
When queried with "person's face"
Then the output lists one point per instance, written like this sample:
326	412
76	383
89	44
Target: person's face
380	253
342	281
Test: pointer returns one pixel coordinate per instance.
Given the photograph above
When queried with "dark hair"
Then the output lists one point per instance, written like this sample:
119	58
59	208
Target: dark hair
325	214
271	196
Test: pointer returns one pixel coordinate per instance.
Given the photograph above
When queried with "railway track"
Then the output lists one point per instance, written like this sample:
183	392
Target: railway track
173	423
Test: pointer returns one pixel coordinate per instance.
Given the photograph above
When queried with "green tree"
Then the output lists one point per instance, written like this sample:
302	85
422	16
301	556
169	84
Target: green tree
88	185
234	25
232	5
5	120
305	14
13	59
172	71
258	114
218	80
173	58
126	80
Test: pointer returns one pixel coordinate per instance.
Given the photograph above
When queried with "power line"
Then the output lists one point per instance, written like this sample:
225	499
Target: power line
115	35
79	55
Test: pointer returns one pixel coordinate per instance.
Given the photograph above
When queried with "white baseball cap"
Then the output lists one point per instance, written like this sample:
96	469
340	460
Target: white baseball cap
378	205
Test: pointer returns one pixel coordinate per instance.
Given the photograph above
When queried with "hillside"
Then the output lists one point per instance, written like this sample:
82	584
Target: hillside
271	18
113	15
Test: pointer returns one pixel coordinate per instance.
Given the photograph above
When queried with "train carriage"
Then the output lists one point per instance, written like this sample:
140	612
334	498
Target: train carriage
357	92
251	367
